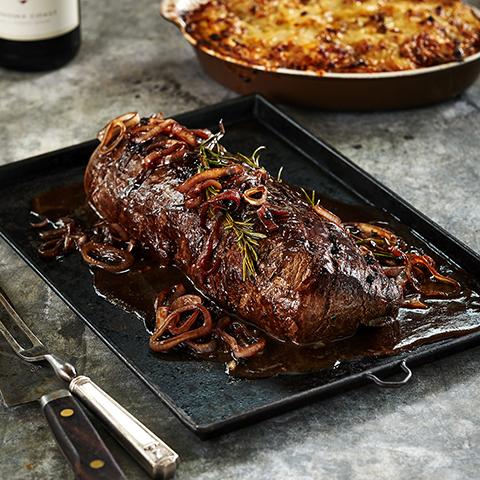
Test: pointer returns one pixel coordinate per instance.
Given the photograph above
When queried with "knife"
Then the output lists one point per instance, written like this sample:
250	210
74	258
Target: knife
76	436
157	458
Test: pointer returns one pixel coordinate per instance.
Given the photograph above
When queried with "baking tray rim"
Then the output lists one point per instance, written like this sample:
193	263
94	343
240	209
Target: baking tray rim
432	351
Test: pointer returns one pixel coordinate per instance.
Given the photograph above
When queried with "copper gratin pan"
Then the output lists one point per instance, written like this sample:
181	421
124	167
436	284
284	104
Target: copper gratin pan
333	91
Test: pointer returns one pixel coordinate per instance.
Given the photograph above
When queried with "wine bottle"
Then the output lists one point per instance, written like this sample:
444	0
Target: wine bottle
38	34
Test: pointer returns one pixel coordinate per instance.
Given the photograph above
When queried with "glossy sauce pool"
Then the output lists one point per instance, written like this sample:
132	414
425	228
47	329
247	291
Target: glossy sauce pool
137	289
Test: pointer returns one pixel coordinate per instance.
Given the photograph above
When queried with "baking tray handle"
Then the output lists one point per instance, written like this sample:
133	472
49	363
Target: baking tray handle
389	384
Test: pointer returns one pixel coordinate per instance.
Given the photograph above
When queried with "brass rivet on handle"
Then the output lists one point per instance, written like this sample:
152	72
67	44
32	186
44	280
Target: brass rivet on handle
96	464
67	412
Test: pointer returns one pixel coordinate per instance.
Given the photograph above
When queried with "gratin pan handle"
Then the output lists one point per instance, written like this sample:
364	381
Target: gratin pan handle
169	11
156	457
391	384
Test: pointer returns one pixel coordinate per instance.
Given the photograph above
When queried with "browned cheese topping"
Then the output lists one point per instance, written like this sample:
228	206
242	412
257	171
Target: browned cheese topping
338	35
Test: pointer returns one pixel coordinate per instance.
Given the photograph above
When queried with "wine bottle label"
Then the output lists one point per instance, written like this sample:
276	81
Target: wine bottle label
37	19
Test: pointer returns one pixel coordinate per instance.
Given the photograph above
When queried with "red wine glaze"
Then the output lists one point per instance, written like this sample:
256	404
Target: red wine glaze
135	291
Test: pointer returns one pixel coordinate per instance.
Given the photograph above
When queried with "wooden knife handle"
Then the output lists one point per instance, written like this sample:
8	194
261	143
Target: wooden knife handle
79	440
155	456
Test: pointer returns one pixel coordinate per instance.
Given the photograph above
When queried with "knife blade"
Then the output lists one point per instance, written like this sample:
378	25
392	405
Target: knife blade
22	382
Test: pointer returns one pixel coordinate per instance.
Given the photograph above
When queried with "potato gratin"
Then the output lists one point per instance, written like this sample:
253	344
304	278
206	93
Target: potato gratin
337	35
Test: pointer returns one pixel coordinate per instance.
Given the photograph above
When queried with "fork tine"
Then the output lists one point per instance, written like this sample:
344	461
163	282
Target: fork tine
7	304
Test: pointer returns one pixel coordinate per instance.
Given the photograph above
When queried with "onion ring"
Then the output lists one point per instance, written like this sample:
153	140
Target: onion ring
248	348
212	173
114	134
129	119
251	195
159	157
51	248
41	224
199	332
326	214
115	259
424	260
265	217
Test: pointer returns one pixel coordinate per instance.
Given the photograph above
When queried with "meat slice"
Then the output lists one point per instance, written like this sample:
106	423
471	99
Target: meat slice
310	282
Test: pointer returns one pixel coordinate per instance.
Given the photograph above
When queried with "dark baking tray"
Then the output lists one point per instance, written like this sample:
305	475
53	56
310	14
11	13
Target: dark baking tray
200	393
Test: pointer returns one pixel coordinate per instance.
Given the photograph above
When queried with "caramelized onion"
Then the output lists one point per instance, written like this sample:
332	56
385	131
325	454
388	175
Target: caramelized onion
256	195
374	230
157	126
327	214
160	145
194	196
113	136
60	239
210	244
161	324
415	260
54	233
118	230
202	133
162	310
244	344
199	188
106	257
184	134
40	224
277	212
129	119
227	200
51	248
193	202
153	128
266	218
212	173
413	302
174	321
390	250
164	156
204	329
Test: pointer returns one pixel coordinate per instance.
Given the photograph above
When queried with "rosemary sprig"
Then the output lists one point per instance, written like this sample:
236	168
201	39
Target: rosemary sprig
310	198
216	137
211	192
383	255
247	240
212	155
279	174
254	160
